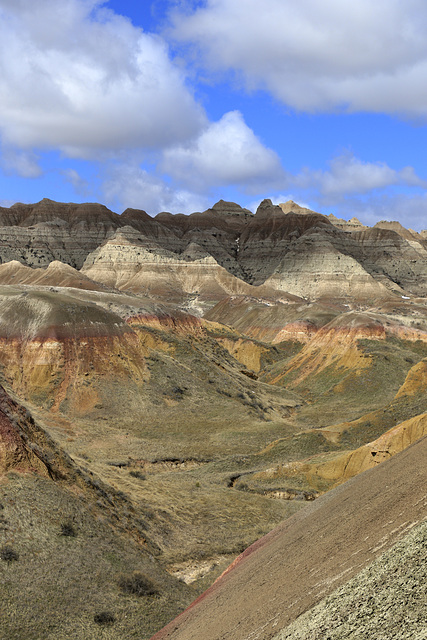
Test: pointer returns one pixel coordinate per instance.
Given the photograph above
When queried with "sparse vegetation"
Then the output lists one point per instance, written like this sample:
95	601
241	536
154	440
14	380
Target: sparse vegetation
8	554
137	474
104	618
159	405
68	530
138	584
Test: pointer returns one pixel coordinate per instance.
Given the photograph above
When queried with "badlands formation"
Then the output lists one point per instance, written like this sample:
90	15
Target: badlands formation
223	407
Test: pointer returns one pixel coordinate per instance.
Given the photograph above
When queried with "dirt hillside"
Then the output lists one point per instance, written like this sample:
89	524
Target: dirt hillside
308	556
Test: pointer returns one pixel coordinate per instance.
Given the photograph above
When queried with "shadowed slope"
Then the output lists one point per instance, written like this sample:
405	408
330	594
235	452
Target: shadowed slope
308	556
67	540
16	452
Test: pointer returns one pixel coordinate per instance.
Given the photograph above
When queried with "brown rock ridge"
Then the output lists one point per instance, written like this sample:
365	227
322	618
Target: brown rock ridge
282	246
37	234
269	235
346	225
291	206
217	230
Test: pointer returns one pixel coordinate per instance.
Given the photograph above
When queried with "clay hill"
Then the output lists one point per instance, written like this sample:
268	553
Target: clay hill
187	393
283	248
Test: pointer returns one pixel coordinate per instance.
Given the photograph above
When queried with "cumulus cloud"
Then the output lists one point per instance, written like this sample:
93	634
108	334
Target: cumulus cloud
317	56
22	163
79	184
226	152
349	175
76	76
409	209
131	186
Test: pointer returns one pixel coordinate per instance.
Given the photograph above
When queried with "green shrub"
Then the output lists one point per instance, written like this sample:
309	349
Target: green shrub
137	474
68	530
8	554
104	618
138	584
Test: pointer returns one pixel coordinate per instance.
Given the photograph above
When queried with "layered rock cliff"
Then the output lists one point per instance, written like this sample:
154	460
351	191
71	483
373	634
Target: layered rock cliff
286	247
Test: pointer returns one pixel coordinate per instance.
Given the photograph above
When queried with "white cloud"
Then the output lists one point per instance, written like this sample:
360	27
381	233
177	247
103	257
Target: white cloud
409	210
226	152
79	184
23	163
130	186
317	55
76	76
349	175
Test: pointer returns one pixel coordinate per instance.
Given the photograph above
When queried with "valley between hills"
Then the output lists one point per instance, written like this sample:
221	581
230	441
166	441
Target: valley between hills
224	407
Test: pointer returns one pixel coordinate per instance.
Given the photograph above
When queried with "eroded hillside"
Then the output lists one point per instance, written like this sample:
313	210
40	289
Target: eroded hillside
212	375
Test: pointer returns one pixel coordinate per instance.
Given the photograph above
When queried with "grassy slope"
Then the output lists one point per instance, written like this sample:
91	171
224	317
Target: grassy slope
59	583
66	539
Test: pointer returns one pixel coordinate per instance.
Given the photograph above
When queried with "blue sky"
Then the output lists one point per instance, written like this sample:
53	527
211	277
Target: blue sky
172	105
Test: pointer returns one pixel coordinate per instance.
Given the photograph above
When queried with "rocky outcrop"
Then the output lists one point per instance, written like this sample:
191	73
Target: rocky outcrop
349	464
269	236
37	234
40	233
314	269
216	230
16	451
415	382
385	252
192	279
291	206
285	247
346	225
